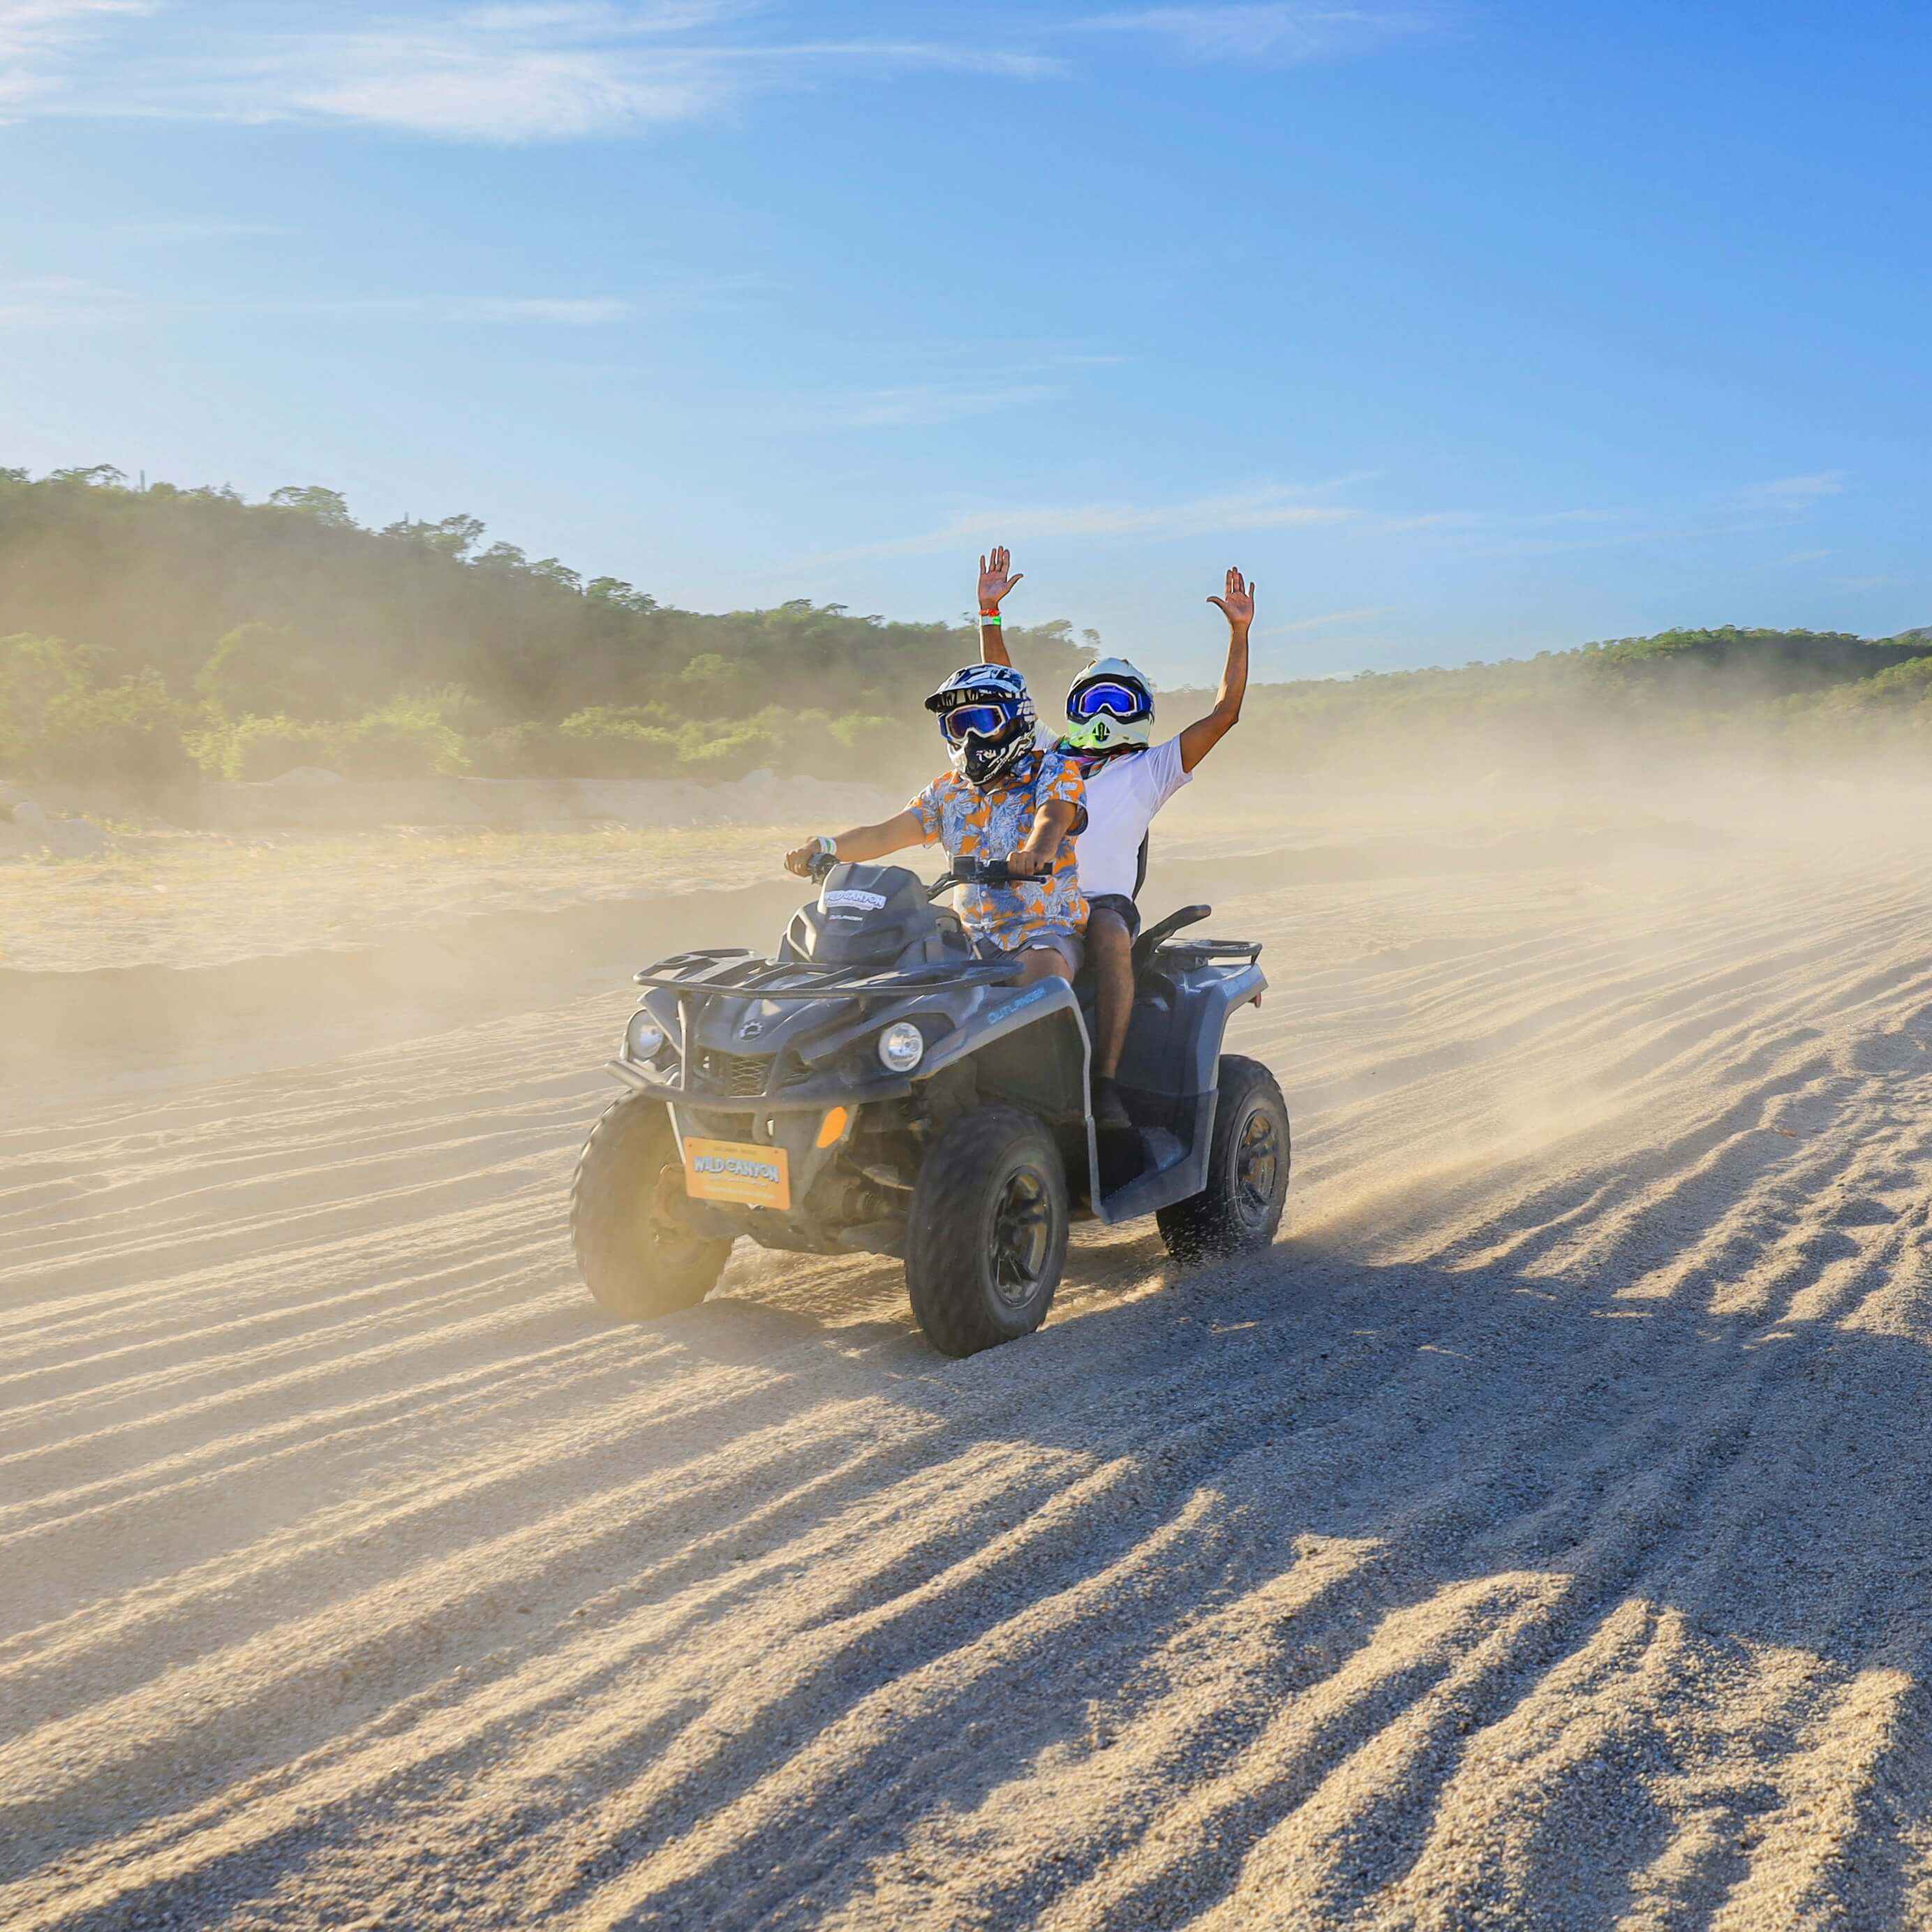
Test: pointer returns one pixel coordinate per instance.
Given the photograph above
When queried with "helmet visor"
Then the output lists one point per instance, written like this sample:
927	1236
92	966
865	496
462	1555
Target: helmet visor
1117	700
974	720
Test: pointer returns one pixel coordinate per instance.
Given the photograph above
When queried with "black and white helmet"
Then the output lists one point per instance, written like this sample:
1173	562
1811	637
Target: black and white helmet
986	718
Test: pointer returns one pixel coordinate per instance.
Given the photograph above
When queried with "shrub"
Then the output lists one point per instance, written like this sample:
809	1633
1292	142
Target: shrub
527	751
1903	684
455	705
255	748
711	686
871	747
262	670
712	753
405	740
615	742
126	735
33	672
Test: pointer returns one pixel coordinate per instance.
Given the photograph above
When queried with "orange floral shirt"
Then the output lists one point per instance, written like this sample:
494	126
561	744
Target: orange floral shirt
989	821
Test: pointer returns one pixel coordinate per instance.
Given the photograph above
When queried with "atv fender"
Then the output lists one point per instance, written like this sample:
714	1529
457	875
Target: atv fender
1030	1046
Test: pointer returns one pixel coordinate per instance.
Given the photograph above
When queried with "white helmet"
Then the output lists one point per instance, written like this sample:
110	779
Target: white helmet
1109	705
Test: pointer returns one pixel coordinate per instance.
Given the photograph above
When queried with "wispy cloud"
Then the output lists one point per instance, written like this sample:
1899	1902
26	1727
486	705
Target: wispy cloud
59	302
184	230
1267	508
1274	32
1795	493
72	286
1029	352
503	73
1203	516
926	405
568	69
1275	506
1333	620
37	36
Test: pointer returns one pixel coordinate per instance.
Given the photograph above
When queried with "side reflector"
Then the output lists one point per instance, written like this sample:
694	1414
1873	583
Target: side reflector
832	1127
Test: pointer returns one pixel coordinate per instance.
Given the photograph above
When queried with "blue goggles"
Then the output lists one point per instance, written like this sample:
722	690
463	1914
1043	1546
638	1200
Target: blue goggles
974	720
1117	700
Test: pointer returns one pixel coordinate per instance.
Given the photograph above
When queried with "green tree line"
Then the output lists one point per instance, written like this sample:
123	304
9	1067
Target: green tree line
148	637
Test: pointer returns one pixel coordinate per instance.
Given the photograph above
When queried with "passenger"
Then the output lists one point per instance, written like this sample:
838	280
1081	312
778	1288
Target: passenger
1005	797
1109	719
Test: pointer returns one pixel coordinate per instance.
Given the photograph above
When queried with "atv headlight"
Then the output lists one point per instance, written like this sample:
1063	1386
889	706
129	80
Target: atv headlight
901	1047
642	1037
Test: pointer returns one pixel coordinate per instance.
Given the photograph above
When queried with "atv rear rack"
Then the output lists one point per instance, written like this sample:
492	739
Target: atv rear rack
1208	951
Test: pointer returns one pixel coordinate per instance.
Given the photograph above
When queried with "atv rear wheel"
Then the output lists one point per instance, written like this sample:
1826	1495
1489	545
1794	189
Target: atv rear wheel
987	1235
1240	1206
636	1258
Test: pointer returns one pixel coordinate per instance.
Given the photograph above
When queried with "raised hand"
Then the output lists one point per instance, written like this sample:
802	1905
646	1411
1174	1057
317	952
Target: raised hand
1237	603
994	579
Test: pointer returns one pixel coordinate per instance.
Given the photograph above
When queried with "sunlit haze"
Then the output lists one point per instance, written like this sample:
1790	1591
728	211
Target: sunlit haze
1468	330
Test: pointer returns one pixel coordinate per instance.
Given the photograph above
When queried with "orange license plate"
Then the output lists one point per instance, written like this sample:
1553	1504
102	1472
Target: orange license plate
739	1171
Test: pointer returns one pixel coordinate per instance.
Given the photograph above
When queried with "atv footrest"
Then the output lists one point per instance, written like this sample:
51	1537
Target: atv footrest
1146	1155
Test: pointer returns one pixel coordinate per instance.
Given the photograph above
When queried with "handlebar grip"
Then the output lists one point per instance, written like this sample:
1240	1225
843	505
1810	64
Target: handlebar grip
819	864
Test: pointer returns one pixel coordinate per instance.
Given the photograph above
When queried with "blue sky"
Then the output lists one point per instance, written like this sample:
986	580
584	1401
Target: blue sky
1468	329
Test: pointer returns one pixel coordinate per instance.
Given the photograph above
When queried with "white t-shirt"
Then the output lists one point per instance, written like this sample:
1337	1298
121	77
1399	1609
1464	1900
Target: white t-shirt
1122	795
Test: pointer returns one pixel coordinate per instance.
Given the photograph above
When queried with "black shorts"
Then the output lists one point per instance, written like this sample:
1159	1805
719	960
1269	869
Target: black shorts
1121	907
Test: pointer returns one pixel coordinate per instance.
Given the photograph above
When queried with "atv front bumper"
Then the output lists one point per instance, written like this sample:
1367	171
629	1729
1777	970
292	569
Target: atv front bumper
813	1122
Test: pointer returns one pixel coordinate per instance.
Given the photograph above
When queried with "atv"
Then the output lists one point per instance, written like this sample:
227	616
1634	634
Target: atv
879	1087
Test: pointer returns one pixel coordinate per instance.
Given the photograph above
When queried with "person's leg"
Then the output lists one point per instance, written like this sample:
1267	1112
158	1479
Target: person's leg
1045	962
1111	947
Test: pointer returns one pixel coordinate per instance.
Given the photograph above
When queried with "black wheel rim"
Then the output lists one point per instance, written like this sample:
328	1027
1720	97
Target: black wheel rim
1022	1234
1257	1165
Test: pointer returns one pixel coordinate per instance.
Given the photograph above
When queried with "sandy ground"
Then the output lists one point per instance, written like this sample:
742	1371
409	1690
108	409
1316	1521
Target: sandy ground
192	899
1540	1534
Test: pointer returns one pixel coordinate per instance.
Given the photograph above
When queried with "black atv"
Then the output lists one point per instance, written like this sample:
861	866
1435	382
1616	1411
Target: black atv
879	1088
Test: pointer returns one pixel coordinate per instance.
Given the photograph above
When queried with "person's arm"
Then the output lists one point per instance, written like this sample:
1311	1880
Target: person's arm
862	842
1061	809
1238	606
1051	823
994	582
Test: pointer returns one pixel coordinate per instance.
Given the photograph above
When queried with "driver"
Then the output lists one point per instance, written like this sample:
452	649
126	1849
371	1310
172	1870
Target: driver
1004	797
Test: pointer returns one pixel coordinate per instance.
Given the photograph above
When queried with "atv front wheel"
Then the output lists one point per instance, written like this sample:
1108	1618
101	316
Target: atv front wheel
637	1257
987	1236
1240	1206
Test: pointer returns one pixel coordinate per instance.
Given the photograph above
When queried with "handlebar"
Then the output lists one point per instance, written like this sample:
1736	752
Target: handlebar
972	872
962	872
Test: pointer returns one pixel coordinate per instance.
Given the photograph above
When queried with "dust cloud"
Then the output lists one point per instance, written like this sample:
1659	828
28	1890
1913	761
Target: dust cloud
1527	1538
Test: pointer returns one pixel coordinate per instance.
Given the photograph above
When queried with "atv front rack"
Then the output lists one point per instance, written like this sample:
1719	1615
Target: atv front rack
733	973
738	975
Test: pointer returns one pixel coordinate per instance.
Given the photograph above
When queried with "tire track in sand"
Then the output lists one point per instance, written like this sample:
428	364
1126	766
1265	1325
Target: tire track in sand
1537	1531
